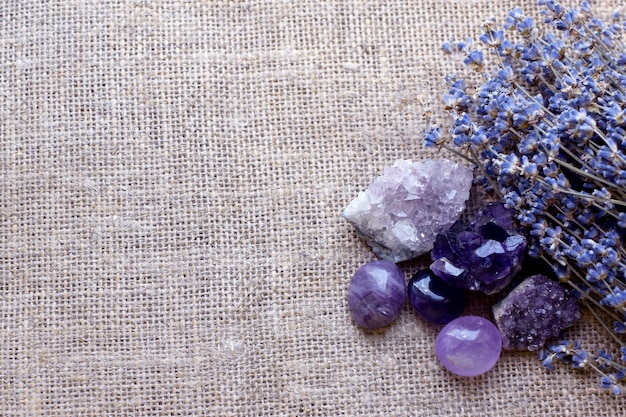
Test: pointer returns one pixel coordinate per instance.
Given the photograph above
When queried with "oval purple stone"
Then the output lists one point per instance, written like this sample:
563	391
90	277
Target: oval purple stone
469	346
376	294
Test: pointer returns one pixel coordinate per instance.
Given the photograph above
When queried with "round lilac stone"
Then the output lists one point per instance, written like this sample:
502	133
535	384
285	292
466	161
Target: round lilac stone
376	294
469	346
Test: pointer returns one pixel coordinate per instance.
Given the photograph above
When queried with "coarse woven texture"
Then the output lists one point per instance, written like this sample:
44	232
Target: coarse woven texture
172	176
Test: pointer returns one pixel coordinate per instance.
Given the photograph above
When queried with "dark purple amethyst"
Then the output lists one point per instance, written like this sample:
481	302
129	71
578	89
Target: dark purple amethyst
434	299
536	310
376	294
483	255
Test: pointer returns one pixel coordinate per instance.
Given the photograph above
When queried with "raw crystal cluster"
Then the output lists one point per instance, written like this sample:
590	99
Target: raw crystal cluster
534	311
483	255
403	210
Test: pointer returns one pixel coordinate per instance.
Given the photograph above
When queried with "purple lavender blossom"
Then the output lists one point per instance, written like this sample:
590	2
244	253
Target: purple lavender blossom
547	132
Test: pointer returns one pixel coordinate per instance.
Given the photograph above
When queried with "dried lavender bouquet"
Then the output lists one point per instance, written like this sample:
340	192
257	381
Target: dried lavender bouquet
546	130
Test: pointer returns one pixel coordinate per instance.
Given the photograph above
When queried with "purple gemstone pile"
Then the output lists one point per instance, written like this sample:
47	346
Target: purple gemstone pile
536	310
483	255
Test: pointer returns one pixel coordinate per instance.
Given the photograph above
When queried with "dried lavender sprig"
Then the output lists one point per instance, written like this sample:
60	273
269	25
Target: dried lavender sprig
611	373
547	130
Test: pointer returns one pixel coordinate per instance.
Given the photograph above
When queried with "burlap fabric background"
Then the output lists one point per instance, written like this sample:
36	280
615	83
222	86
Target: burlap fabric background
172	178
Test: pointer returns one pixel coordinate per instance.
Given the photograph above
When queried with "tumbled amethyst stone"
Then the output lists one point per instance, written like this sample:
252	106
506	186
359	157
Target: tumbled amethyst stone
468	346
483	255
536	310
434	299
376	294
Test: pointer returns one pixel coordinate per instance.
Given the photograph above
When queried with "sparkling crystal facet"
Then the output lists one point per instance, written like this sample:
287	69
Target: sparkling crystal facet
376	294
434	299
469	346
403	210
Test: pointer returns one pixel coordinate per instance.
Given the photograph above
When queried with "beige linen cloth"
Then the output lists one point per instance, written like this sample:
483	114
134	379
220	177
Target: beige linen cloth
172	175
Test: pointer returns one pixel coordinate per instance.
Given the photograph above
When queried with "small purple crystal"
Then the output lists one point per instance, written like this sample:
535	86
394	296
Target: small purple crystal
536	310
403	210
468	346
376	294
482	256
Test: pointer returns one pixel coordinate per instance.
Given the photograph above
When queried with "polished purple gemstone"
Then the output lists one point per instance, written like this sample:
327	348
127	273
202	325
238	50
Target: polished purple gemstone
434	299
376	294
469	346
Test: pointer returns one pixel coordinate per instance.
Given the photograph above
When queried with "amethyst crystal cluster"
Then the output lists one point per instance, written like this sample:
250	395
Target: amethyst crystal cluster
483	255
403	210
536	310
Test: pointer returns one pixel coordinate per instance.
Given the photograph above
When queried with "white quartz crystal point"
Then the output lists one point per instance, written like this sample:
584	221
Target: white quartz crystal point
403	210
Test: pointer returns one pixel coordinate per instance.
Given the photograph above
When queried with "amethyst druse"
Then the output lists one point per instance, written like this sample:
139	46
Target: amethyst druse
402	211
483	255
376	294
536	310
468	346
434	299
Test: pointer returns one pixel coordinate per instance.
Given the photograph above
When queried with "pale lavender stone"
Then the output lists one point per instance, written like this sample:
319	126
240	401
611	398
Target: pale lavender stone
469	346
402	211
